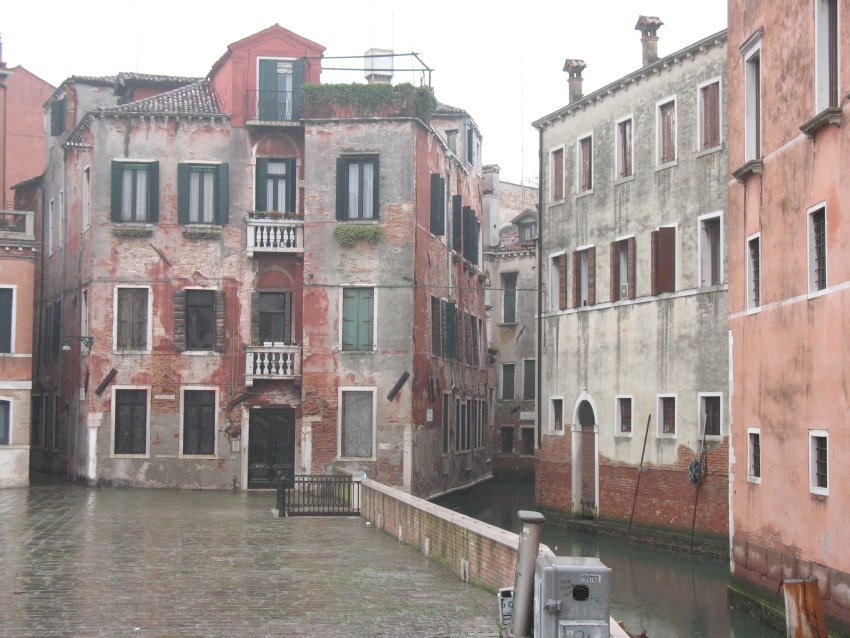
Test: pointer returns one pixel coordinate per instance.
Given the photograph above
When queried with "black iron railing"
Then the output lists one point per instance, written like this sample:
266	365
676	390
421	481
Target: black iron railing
318	495
272	106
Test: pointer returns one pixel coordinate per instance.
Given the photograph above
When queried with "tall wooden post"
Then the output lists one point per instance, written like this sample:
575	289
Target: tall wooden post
804	616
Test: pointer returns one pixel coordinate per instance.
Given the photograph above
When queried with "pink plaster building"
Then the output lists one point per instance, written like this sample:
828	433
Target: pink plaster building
789	293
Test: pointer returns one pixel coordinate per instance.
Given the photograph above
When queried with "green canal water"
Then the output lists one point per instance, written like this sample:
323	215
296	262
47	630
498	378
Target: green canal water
665	593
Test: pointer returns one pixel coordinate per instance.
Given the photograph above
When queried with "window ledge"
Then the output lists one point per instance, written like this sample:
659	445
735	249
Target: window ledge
201	353
123	229
584	194
557	202
709	151
819	492
198	457
830	115
755	480
507	324
664	167
750	167
754	310
671	437
134	352
623	435
814	294
357	351
624	180
556	432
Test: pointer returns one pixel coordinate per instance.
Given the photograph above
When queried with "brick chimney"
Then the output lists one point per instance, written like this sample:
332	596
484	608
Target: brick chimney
648	27
574	68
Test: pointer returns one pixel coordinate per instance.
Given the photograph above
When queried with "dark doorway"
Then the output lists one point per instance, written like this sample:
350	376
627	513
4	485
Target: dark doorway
271	446
587	421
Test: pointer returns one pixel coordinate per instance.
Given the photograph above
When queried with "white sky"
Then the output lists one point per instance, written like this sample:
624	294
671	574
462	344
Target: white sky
502	62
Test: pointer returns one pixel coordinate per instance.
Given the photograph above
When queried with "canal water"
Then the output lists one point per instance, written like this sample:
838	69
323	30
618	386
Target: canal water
665	593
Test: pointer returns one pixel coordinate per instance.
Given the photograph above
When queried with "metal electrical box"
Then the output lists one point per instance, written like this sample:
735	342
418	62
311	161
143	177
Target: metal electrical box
571	598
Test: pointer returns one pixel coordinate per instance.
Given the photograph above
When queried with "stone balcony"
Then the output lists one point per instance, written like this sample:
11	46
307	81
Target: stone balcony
269	235
17	225
274	362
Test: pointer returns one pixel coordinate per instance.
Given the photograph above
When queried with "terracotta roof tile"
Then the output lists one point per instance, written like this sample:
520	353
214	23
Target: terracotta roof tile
194	99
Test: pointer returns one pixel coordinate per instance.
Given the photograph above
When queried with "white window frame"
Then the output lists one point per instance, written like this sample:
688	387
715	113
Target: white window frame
813	487
374	288
659	415
618	179
751	306
11	402
617	431
257	80
358	388
112	453
752	98
703	257
502	396
555	281
552	429
579	166
701	416
658	140
51	223
206	388
812	277
821	74
552	151
86	197
13	324
751	478
700	116
149	336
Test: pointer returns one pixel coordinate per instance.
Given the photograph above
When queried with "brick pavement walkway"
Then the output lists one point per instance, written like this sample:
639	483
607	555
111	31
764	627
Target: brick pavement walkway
107	562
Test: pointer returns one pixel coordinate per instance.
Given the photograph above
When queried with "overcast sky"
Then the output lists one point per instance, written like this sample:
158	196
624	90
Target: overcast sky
502	62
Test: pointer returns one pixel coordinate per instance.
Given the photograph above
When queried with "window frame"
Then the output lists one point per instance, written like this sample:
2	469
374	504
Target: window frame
704	254
114	406
116	349
813	288
119	166
509	291
213	330
702	396
198	388
751	56
702	149
373	390
261	177
827	86
659	133
13	311
583	180
344	163
619	177
288	315
374	336
618	417
552	421
220	186
520	440
629	242
814	488
751	476
584	276
656	274
659	415
754	300
10	439
553	176
502	394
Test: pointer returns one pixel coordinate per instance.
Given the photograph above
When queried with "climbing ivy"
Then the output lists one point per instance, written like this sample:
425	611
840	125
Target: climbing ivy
349	234
368	100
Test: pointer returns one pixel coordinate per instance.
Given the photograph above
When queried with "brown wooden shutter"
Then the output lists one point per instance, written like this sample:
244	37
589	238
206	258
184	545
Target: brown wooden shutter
576	279
220	321
631	266
587	164
711	116
591	276
180	320
255	318
615	270
562	282
666	259
653	253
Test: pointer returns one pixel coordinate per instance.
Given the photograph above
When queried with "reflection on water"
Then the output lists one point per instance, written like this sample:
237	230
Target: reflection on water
667	594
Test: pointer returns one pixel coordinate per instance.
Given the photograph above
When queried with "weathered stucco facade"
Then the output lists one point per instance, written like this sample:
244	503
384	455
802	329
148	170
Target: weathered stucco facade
633	297
788	294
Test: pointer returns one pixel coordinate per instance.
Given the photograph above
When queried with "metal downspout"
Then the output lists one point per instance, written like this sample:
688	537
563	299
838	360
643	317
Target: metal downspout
539	246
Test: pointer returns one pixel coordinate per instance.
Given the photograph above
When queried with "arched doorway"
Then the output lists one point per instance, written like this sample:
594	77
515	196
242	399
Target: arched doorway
584	457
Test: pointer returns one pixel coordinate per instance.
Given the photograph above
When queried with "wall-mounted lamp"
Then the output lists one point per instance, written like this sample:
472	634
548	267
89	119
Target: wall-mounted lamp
88	342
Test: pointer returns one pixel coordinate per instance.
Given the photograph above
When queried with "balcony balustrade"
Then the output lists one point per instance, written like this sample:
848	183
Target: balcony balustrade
275	236
272	363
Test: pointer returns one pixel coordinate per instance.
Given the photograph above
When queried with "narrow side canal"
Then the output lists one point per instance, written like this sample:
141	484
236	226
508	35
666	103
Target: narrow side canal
665	593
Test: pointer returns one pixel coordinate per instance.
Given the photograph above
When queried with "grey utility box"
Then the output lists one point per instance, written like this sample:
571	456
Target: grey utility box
571	598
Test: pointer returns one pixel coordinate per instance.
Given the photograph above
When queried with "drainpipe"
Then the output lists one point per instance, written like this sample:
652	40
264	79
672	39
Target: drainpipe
539	246
529	546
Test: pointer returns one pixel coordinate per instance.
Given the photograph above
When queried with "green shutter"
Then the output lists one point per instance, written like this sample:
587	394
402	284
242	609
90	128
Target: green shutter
366	318
457	223
57	117
222	194
183	193
376	188
261	177
341	188
349	319
267	99
117	183
153	192
291	185
435	203
179	320
298	76
220	321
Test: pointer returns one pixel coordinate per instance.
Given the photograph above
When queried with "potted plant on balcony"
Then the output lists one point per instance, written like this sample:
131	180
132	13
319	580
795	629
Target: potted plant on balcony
266	214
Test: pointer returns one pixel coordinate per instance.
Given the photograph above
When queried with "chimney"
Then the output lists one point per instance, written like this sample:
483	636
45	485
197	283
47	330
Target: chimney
648	27
379	66
574	68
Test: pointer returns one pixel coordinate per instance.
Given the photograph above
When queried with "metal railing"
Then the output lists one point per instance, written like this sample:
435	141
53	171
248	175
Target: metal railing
273	362
275	236
318	495
271	106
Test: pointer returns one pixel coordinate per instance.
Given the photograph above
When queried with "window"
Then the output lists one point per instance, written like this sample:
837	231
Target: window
826	54
438	204
51	225
202	193
471	233
667	415
507	440
752	102
357	187
584	160
471	341
357	423
557	415
280	86
5	422
509	297
57	117
130	419
623	269
7	296
754	272
584	277
558	283
623	155
709	116
528	231
666	131
507	381
436	328
557	159
710	416
754	455
199	422
135	191
526	441
449	332
86	197
819	462
529	380
200	319
446	409
358	319
663	260
710	257
131	319
274	320
624	415
817	249
276	186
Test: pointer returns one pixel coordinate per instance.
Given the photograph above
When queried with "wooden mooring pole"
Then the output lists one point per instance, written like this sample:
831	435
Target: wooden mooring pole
804	616
640	469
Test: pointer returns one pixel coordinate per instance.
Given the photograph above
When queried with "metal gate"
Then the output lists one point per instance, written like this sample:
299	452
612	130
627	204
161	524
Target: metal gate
318	495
